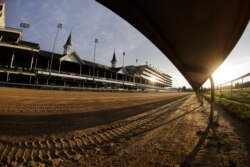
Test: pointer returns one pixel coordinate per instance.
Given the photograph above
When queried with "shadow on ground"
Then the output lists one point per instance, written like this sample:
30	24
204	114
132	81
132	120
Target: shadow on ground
45	124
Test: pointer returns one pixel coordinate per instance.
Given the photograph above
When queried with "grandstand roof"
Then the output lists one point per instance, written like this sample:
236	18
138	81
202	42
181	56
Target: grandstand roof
121	70
72	57
29	44
48	54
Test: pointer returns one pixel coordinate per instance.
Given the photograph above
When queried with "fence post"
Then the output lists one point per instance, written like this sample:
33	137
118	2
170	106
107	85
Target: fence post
241	83
212	100
231	88
202	96
220	93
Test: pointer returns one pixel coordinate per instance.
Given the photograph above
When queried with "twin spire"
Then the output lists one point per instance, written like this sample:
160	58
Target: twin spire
113	61
68	46
68	49
68	42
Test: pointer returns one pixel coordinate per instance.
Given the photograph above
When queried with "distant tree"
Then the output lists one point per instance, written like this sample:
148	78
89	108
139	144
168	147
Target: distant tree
184	88
237	85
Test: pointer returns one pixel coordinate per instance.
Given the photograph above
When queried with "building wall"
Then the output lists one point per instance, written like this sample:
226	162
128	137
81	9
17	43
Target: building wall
2	14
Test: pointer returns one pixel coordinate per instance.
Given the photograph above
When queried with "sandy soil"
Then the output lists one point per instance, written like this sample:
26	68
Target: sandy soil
56	128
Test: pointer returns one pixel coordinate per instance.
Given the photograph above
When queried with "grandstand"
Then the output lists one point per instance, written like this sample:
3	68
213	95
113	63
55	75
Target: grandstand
23	62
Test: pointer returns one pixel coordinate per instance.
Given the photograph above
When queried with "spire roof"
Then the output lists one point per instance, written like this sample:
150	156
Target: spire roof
114	58
68	42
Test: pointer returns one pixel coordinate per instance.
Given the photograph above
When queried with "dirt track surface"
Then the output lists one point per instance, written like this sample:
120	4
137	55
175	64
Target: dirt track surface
55	128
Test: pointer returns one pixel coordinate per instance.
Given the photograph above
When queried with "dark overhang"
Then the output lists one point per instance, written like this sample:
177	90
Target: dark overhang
29	44
196	35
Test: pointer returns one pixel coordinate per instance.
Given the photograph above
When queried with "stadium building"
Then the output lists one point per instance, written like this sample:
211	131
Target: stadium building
24	62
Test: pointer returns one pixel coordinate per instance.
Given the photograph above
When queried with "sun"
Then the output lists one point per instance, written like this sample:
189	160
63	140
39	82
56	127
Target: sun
224	74
152	79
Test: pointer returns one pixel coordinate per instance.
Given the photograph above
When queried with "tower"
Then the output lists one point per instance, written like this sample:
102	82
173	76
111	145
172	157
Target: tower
2	14
113	61
68	46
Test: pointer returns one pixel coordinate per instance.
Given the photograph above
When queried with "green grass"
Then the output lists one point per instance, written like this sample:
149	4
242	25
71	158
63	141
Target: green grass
240	95
236	102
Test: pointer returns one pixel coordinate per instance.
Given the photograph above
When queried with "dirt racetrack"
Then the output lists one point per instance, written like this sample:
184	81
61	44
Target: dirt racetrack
58	128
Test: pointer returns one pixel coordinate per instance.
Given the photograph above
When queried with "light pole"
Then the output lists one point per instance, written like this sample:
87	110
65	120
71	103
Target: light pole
96	41
123	54
59	26
24	26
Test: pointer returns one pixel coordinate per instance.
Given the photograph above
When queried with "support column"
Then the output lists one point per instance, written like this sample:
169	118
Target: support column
12	59
30	79
60	66
201	96
48	64
212	100
105	74
80	69
36	62
7	79
31	63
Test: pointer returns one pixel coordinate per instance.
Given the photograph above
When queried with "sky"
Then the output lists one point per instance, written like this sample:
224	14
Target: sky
87	20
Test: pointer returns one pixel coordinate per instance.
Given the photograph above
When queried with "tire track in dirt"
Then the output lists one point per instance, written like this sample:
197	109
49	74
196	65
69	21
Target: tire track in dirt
149	149
45	124
75	147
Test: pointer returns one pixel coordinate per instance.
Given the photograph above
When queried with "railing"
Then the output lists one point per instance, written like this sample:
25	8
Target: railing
234	97
54	73
70	74
233	86
72	88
